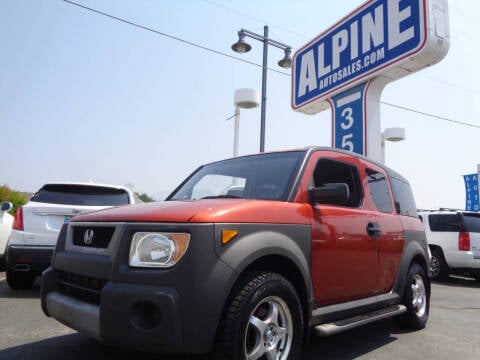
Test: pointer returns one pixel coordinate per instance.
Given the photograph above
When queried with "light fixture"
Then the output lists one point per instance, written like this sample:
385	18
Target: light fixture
286	62
245	99
393	134
241	46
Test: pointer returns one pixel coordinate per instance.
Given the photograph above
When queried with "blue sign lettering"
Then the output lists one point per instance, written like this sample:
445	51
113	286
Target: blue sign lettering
472	202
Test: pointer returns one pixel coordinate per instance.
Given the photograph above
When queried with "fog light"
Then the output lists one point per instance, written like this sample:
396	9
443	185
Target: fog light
145	315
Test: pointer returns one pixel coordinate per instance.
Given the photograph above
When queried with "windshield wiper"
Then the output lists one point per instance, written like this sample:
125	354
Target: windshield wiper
222	197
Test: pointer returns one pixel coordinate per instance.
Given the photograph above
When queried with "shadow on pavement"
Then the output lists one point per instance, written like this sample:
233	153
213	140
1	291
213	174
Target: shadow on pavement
76	347
7	293
343	346
352	344
460	281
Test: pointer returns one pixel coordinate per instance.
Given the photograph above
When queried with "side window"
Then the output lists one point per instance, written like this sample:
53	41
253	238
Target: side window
472	222
331	171
377	184
445	222
403	198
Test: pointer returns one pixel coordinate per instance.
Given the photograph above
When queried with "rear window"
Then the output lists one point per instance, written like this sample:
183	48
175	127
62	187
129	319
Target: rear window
81	195
472	222
445	222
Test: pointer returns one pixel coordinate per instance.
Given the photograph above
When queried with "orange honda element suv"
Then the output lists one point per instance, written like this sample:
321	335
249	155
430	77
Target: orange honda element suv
245	257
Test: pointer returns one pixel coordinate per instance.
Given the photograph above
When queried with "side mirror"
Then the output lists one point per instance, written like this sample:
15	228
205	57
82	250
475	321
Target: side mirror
331	193
6	206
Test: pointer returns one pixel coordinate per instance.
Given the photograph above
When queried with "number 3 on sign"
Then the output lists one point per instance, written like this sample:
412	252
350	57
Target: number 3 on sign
346	124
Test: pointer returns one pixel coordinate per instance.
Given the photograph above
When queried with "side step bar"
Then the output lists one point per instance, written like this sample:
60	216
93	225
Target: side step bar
353	322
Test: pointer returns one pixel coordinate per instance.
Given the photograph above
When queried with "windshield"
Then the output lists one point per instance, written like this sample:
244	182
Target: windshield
265	176
69	194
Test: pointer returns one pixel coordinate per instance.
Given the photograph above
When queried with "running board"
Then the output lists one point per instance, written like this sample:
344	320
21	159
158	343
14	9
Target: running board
353	322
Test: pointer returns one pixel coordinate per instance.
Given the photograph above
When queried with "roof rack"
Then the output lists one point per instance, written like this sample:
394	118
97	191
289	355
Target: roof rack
440	209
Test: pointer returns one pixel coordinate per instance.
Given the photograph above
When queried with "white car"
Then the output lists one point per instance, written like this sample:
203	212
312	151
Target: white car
453	237
6	221
37	224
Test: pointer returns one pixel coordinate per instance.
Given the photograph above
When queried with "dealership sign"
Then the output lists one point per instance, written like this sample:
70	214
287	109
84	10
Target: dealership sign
390	38
472	201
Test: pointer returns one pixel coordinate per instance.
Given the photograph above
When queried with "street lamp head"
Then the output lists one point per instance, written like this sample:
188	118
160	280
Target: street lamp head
286	62
394	134
241	46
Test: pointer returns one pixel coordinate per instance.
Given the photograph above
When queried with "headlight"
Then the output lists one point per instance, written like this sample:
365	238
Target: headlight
159	250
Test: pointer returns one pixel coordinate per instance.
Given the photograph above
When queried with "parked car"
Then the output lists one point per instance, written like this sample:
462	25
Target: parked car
454	240
36	224
6	221
246	257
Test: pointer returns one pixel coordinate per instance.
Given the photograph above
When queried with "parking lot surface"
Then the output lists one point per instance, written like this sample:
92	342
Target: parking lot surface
453	331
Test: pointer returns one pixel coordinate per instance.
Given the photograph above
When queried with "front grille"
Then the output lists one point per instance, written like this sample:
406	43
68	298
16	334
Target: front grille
93	236
80	287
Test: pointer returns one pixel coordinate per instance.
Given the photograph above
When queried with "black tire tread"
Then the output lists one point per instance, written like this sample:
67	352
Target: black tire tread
444	269
409	319
229	325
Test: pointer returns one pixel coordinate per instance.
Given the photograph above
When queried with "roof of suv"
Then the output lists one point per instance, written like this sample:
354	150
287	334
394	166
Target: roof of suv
459	220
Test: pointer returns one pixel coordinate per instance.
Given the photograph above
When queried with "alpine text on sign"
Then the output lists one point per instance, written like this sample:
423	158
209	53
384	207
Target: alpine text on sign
382	37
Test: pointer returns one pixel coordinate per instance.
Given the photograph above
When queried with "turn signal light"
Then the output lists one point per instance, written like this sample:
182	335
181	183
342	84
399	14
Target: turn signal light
228	235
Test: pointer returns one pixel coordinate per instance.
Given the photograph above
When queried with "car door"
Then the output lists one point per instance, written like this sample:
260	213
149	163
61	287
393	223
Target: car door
344	255
390	235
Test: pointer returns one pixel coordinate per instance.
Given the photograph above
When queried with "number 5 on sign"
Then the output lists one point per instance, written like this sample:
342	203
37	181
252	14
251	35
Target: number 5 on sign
348	120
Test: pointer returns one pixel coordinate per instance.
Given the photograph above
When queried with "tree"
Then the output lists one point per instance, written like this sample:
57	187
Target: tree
15	197
144	197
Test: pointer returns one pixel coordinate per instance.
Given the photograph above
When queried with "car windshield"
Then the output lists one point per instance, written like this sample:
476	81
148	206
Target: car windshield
264	176
69	194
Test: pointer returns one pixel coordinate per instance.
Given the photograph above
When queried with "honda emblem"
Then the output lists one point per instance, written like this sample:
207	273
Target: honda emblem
88	237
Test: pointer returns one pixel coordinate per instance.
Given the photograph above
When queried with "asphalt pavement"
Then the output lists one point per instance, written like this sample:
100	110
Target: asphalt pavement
452	332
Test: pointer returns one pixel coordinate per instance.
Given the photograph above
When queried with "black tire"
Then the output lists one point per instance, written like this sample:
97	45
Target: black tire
263	315
19	280
416	297
439	268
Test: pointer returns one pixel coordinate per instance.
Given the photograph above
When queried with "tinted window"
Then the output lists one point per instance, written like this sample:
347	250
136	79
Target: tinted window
265	176
445	222
403	198
472	222
378	186
81	195
330	171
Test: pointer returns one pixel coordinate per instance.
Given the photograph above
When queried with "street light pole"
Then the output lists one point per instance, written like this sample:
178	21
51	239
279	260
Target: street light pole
241	47
264	89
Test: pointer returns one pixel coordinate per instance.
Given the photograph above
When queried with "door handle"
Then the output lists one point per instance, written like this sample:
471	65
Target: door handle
374	229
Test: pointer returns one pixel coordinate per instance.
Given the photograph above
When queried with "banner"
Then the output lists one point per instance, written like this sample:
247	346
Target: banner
471	192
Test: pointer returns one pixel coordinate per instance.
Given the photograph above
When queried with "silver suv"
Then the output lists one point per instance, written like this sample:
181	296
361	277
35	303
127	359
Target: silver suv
454	240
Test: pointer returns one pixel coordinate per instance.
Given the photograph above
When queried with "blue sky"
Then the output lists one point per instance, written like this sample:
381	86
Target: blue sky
84	97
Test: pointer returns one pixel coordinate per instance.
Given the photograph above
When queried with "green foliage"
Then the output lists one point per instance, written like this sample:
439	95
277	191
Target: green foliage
144	197
15	197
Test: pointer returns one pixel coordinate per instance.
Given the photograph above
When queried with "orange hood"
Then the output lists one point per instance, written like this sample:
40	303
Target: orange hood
205	211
